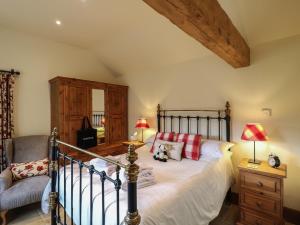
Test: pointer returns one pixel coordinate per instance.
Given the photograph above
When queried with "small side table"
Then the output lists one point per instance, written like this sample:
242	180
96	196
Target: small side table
137	144
261	193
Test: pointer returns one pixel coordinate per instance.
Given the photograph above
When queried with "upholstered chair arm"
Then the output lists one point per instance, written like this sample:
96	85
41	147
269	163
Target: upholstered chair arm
5	179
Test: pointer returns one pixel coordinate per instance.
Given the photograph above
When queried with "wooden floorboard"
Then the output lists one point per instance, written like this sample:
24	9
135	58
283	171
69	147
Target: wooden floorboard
32	215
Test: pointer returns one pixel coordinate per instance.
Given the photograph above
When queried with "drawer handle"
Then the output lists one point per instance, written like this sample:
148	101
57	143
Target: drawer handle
258	204
259	184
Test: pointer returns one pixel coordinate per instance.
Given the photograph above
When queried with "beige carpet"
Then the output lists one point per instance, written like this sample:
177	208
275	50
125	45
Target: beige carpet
32	215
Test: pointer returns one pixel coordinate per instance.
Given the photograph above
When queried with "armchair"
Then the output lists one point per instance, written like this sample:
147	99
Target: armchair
14	194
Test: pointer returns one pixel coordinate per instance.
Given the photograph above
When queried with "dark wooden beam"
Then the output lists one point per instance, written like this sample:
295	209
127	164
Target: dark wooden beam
207	22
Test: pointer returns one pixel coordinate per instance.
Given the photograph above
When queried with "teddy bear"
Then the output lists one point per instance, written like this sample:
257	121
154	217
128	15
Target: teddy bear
161	153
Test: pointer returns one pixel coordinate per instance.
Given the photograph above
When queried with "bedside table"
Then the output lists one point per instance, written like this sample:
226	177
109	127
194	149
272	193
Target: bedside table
261	193
137	144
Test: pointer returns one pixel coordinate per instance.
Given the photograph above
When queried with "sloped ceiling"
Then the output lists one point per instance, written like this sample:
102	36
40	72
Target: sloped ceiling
128	35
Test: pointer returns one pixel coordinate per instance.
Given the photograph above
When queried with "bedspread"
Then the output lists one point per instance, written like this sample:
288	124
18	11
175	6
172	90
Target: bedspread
187	192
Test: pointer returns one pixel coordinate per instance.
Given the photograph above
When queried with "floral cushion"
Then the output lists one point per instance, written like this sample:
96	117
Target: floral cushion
29	169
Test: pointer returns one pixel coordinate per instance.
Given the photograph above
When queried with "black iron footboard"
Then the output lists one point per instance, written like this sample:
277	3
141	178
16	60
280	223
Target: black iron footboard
60	162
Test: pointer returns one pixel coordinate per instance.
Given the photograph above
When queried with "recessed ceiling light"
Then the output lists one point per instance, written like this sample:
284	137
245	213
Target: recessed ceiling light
58	22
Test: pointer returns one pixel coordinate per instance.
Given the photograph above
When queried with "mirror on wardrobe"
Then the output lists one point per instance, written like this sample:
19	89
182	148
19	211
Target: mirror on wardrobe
98	114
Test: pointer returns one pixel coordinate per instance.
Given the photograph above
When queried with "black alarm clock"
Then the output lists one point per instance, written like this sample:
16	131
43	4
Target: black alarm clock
274	160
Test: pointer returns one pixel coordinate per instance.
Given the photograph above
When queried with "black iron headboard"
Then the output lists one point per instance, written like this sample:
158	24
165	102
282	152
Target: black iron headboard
195	119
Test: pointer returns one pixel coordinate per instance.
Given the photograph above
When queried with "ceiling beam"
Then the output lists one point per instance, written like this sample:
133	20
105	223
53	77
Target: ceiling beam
207	22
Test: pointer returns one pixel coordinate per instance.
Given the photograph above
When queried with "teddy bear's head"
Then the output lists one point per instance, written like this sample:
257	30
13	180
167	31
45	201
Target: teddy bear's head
161	147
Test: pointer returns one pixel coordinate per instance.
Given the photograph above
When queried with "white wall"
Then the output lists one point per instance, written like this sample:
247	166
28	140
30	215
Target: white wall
38	61
272	80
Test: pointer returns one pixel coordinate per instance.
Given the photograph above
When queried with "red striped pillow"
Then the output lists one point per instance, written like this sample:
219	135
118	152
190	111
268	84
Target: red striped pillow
191	148
163	136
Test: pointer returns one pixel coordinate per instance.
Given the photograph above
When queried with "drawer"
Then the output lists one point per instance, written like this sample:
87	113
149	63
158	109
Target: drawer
249	217
264	185
267	205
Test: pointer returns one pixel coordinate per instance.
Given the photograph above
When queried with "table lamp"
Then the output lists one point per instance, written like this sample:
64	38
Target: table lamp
254	132
142	124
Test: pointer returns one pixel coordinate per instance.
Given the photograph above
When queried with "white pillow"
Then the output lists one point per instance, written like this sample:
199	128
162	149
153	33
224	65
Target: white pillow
175	151
150	140
214	149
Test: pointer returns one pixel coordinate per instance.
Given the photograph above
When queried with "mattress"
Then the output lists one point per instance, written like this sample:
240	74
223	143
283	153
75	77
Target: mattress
187	192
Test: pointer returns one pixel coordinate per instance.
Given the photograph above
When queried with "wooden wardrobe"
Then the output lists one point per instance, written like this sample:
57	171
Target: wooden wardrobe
71	100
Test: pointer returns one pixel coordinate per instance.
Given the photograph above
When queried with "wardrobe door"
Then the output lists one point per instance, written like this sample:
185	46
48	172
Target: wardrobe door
117	108
78	106
116	128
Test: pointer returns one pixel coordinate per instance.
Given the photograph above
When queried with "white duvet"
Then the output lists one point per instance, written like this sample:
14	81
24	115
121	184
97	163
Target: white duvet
187	192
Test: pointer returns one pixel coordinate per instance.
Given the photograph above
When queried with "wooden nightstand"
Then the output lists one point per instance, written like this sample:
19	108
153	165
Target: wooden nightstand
261	193
137	144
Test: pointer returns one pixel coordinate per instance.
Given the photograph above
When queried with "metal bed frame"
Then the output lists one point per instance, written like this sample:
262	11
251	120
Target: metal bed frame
164	117
58	157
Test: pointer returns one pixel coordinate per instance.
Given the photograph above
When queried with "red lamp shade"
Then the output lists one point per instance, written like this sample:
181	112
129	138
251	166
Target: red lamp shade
254	132
141	123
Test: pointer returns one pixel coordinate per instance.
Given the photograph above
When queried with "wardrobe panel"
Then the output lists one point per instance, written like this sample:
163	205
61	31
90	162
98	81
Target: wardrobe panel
71	100
118	115
116	100
116	129
78	107
78	101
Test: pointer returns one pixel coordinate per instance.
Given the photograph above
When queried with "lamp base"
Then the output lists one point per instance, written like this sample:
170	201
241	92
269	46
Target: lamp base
254	161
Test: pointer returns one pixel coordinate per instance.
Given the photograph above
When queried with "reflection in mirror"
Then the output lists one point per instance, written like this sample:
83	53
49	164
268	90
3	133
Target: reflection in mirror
98	116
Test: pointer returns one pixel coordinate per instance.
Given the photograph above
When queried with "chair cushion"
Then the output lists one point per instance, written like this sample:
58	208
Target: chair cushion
23	192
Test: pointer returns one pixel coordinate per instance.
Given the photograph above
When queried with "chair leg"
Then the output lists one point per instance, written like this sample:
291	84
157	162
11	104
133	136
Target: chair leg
3	217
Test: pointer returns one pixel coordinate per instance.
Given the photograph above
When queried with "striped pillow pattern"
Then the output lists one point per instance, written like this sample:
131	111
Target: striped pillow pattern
163	136
191	148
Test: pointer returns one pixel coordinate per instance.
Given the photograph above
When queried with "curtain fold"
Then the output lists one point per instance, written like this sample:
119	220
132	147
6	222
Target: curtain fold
7	82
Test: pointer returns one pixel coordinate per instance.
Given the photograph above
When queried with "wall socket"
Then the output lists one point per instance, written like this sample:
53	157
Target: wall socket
267	111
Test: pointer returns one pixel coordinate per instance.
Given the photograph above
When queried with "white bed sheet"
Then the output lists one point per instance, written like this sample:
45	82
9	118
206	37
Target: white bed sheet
187	192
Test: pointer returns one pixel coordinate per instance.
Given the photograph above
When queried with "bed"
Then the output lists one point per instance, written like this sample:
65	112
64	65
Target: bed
194	188
187	192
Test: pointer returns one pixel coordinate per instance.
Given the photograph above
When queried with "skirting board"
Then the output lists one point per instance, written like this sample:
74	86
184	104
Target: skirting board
289	215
